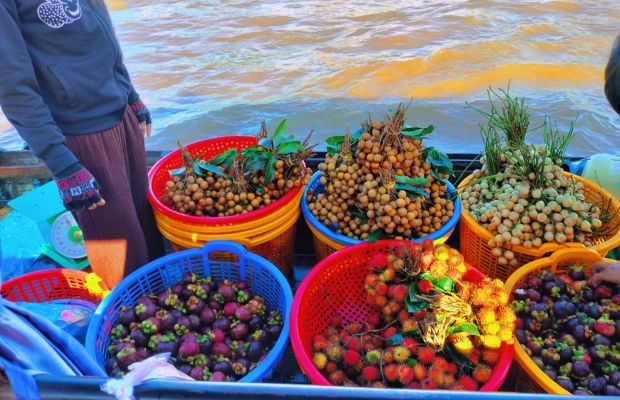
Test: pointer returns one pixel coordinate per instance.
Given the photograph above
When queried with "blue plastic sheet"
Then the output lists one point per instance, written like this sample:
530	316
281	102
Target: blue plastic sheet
20	246
33	345
70	315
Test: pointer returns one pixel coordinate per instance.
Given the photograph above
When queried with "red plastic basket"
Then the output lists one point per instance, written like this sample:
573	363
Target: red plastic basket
208	148
338	282
49	284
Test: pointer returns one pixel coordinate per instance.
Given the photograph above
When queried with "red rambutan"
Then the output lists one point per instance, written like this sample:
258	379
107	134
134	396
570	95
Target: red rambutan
426	355
390	371
419	371
405	374
370	374
482	373
336	378
410	344
468	383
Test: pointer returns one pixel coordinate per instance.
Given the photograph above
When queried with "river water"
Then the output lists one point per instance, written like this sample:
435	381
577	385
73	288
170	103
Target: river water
211	68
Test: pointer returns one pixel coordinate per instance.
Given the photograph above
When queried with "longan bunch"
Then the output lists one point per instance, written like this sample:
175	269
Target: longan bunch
226	189
529	209
341	180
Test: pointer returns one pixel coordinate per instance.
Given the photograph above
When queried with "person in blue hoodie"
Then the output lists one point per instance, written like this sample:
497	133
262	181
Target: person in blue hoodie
65	89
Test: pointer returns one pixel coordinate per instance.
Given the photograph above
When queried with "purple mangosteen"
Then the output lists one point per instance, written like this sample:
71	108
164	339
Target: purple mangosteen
188	349
167	299
255	351
126	316
194	322
239	331
230	308
218	335
207	316
533	282
218	376
223	367
580	369
221	349
222	323
138	337
145	308
194	304
166	319
119	331
226	291
185	368
188	278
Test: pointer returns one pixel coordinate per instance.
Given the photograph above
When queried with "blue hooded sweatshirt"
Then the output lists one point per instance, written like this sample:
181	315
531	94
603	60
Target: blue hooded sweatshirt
61	73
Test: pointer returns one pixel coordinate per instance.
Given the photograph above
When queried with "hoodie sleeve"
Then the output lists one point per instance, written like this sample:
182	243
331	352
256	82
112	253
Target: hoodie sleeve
20	99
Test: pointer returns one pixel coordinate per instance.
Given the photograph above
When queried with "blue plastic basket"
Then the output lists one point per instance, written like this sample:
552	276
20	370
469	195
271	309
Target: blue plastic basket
316	186
264	279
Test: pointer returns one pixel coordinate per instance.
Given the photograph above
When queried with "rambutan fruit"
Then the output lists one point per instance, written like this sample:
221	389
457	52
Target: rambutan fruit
428	245
413	385
401	354
492	342
353	328
436	375
448	380
319	343
351	358
419	371
400	293
382	289
389	332
491	329
490	357
379	261
335	320
388	355
468	383
486	315
390	372
409	324
319	360
331	367
336	378
370	374
373	320
426	261
411	344
381	301
387	275
482	373
463	345
403	315
426	355
395	306
425	286
451	369
353	343
429	385
440	363
475	355
441	252
371	280
405	374
334	353
373	357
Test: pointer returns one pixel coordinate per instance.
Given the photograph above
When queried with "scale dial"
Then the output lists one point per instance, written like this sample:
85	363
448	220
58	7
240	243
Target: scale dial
66	237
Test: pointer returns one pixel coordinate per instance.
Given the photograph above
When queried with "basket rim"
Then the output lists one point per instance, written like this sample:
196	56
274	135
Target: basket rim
500	370
264	367
158	205
525	361
62	273
547	247
445	229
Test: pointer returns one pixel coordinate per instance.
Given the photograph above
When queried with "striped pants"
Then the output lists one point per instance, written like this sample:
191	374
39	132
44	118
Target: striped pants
120	236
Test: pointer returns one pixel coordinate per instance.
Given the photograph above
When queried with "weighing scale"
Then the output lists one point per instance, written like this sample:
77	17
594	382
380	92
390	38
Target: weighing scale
63	237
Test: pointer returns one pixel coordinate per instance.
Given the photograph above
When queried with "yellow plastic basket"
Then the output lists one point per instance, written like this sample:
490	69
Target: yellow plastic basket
528	377
474	238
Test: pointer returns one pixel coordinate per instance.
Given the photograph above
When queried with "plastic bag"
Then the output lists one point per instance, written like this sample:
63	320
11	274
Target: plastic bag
20	246
155	367
70	315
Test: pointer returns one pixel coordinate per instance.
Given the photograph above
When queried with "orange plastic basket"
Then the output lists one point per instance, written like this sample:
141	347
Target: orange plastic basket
50	284
269	231
475	238
336	284
528	377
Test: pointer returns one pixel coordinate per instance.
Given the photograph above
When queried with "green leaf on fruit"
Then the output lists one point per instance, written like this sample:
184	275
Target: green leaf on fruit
416	132
412	362
205	167
290	147
279	136
225	159
411	333
416	305
178	171
413	191
467	327
412	291
333	150
335	141
446	284
361	215
417	181
270	168
377	235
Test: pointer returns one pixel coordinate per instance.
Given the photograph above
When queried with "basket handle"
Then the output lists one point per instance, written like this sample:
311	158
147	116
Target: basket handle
228	246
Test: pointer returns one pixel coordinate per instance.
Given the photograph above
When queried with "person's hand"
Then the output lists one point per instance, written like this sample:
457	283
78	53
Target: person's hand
609	272
143	115
79	189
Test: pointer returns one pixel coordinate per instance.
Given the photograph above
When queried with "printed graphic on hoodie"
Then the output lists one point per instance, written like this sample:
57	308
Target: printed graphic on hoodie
57	13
